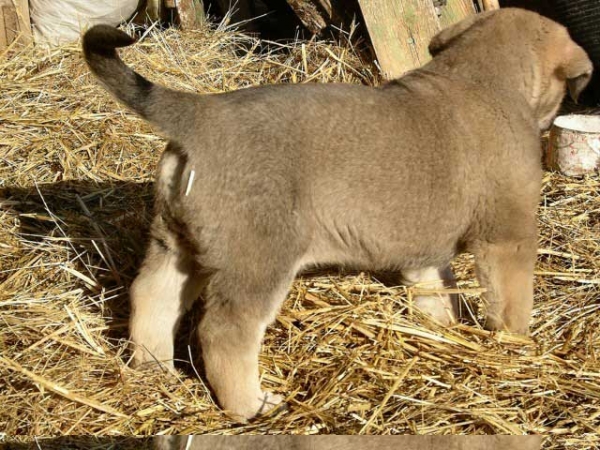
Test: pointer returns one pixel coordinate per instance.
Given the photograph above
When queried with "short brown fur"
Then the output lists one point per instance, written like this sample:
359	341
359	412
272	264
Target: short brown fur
257	184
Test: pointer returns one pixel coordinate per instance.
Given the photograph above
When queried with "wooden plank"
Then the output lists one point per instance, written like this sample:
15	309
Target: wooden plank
9	23
26	35
317	15
489	5
154	9
191	14
400	32
455	11
313	15
3	41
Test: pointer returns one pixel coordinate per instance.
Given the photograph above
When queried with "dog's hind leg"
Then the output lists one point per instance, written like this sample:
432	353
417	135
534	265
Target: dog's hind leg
165	288
240	302
505	270
441	306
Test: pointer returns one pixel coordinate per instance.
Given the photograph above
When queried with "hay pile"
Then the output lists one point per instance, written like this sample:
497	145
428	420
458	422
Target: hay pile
76	176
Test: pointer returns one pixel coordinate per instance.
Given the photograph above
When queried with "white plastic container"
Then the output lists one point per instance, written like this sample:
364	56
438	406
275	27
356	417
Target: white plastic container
574	144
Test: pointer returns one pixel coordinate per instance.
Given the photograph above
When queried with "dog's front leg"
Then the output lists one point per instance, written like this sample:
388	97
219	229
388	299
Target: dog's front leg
505	270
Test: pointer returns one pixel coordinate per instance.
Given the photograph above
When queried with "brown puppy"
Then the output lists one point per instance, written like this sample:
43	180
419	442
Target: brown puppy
259	183
348	442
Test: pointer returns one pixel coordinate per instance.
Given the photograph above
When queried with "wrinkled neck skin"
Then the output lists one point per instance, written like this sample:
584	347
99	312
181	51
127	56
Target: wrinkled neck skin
524	76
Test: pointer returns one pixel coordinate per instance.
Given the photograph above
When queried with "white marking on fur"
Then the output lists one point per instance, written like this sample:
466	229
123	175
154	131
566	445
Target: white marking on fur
190	181
188	444
166	179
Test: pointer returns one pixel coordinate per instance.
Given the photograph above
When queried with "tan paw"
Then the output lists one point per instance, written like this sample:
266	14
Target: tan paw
261	405
438	307
494	323
145	360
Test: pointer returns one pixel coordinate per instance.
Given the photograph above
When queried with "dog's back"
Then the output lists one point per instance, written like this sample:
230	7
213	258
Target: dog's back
419	161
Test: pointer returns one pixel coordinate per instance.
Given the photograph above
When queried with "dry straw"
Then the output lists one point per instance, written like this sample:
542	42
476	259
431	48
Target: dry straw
349	352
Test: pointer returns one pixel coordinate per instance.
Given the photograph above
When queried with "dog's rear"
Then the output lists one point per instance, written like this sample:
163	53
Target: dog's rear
258	183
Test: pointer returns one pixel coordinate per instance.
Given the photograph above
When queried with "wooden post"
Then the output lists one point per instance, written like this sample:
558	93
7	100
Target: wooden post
8	23
22	6
313	14
191	14
455	11
15	23
400	32
154	9
489	5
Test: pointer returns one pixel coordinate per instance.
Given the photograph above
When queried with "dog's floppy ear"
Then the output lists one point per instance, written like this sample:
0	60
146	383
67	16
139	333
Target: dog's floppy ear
576	68
445	37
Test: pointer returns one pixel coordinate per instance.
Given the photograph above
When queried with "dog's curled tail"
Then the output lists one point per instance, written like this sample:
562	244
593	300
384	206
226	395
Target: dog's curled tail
160	106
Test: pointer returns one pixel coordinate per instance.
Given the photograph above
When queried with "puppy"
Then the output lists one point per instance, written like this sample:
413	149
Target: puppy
259	183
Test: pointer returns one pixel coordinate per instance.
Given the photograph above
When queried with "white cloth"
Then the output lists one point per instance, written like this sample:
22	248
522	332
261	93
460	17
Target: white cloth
58	22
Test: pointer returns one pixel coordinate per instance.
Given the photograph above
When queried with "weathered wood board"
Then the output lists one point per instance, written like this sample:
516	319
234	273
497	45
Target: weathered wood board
191	13
455	11
400	31
14	22
316	15
489	5
8	23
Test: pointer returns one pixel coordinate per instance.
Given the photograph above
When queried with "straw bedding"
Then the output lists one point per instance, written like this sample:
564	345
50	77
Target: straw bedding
76	175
